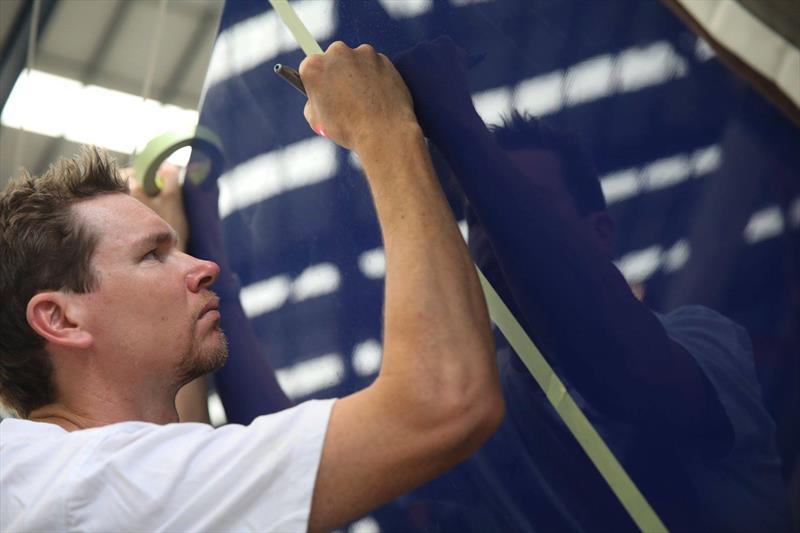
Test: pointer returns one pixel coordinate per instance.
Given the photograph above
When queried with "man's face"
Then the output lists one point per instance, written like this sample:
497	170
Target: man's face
151	315
544	172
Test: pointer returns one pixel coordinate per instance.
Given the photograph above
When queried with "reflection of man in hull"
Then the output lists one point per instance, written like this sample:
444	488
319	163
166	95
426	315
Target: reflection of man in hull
674	396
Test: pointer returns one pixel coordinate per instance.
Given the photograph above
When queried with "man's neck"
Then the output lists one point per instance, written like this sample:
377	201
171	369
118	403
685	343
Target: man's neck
73	419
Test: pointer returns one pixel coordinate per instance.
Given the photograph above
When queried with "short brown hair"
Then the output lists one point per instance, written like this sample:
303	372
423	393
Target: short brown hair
44	247
523	131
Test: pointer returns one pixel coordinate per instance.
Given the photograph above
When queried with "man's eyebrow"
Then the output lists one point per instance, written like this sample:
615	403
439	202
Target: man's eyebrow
157	239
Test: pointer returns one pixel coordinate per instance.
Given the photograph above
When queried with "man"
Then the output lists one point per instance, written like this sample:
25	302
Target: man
104	319
674	396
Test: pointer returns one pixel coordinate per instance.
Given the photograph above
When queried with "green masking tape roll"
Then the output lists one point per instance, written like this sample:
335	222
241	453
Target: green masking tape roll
146	163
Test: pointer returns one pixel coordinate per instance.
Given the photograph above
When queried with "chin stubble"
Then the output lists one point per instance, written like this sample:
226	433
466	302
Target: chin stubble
198	360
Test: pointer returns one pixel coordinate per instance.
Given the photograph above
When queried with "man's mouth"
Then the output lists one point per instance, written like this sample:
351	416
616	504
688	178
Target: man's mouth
212	306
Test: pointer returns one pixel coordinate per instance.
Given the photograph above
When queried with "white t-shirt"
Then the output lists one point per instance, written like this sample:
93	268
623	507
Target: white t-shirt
175	477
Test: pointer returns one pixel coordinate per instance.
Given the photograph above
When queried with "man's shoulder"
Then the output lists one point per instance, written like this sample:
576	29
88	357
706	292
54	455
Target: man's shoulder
29	444
687	314
13	430
16	432
709	335
21	431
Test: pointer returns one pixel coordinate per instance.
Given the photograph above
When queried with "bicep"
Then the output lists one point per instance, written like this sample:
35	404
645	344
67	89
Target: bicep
374	452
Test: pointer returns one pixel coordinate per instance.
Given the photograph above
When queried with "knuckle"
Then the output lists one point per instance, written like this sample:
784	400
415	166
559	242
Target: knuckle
309	65
308	113
337	47
365	48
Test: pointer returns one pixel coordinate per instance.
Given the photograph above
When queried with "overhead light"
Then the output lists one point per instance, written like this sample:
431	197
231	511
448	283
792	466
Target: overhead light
55	106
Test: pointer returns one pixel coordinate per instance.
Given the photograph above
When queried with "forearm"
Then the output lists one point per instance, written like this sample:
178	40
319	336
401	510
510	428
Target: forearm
437	336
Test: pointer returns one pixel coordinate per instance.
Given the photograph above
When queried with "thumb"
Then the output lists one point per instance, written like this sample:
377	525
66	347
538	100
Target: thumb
169	177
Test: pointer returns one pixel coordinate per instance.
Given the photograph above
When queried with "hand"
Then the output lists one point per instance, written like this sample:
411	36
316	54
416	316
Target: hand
354	95
168	204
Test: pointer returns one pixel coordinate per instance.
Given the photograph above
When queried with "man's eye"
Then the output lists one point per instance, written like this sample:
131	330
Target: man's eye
153	254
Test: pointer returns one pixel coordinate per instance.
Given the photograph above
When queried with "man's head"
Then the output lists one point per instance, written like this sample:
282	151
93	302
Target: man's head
561	170
91	279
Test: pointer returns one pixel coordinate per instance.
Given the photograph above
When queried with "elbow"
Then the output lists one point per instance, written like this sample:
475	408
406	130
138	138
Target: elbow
488	412
478	403
473	416
492	416
492	410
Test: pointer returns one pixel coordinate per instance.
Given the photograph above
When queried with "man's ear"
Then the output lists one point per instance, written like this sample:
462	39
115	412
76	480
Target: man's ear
604	231
51	314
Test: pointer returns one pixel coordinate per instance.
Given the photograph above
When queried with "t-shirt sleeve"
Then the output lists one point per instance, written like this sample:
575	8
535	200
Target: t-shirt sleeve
191	477
724	353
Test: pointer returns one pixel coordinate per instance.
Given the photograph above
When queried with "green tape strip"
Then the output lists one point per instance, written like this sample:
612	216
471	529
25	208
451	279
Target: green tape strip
296	26
592	443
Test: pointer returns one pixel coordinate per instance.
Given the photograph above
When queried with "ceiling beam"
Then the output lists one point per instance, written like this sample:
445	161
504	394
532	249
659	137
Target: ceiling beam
104	44
13	57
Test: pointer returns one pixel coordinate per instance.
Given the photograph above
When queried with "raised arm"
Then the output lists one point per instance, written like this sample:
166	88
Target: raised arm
436	398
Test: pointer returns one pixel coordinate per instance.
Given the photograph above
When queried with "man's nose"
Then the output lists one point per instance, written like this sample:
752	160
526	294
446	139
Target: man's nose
202	274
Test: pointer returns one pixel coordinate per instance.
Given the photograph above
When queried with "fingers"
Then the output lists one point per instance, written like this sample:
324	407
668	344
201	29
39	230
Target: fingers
126	173
133	184
169	178
308	113
367	51
337	47
310	65
351	91
311	118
